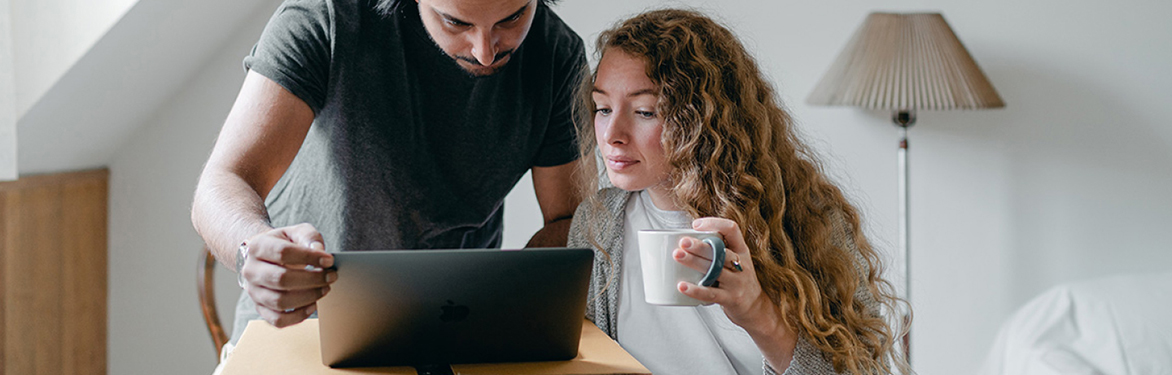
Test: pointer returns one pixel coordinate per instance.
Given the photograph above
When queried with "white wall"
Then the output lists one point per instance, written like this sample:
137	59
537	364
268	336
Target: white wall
155	320
7	96
50	35
1070	181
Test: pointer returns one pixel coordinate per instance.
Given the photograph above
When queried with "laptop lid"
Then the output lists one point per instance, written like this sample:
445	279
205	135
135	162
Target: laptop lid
432	307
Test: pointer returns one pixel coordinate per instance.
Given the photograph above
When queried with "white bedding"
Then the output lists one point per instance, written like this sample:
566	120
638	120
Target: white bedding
1111	326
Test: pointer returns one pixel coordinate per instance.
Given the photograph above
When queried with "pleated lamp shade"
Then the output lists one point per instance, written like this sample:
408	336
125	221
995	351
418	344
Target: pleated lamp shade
905	62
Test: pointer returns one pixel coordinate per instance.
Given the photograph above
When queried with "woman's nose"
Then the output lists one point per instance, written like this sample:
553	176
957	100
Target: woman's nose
618	129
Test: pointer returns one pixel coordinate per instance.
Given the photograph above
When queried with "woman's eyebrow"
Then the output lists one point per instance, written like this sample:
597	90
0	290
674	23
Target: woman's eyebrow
642	92
636	93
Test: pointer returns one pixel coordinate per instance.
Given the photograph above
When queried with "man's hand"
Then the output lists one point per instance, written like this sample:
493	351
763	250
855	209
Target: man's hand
285	273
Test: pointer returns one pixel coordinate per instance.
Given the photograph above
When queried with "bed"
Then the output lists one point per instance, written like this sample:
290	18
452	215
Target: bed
1110	326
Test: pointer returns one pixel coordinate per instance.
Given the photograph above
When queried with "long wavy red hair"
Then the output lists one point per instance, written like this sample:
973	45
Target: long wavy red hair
734	153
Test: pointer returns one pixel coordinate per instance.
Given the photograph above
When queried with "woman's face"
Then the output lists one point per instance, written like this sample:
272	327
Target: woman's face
627	125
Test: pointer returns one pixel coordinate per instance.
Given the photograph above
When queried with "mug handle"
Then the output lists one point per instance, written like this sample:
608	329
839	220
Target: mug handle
717	266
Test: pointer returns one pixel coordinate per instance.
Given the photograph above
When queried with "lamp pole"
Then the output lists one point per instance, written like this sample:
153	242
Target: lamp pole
903	62
904	120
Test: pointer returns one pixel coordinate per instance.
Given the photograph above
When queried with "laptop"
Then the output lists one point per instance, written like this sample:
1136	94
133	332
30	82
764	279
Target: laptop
438	307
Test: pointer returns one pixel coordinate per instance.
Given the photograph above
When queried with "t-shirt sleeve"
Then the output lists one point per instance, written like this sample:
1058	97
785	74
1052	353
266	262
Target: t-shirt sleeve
560	145
295	50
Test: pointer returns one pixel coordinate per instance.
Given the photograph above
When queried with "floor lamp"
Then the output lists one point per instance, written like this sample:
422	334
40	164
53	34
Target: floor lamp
904	63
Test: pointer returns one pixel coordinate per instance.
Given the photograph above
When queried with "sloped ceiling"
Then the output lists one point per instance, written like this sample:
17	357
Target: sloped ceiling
140	63
48	36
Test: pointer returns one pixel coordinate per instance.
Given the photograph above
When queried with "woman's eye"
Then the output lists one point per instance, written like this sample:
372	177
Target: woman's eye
645	114
602	111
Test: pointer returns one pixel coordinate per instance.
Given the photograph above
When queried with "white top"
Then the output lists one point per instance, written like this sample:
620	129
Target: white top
675	339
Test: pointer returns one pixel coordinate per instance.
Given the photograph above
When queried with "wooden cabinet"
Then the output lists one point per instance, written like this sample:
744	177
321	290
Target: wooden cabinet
53	274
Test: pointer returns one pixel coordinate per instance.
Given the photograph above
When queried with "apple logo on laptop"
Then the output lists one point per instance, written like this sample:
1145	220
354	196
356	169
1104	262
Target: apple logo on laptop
453	312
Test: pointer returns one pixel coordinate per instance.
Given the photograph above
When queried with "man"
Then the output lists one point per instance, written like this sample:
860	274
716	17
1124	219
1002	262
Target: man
386	124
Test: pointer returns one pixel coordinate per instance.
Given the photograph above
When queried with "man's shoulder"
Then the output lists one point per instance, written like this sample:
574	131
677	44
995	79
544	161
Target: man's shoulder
369	6
552	31
354	14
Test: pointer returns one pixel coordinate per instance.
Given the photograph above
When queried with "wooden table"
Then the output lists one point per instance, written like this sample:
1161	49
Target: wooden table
264	349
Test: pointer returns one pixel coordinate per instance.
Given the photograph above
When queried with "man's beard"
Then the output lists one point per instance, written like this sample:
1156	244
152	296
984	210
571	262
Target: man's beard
482	73
473	61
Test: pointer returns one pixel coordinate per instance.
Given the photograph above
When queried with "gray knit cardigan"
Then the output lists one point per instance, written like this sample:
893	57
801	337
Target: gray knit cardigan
602	309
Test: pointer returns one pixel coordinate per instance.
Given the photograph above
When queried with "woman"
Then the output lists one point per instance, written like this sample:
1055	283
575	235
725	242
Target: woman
688	128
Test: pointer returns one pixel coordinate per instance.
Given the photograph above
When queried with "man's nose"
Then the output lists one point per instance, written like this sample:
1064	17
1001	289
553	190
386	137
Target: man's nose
484	47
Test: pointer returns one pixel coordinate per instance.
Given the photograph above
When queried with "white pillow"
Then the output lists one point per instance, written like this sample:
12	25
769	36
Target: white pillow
1111	326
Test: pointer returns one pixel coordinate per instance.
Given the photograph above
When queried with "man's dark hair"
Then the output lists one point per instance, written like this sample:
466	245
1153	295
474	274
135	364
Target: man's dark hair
386	6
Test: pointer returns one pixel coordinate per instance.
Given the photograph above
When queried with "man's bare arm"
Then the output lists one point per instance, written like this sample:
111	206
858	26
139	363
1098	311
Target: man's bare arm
557	194
258	142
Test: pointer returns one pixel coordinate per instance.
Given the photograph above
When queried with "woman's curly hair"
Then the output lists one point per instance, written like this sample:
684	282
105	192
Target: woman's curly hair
734	153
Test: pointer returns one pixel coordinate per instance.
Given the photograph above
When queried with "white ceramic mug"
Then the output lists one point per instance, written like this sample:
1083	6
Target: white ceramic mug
661	272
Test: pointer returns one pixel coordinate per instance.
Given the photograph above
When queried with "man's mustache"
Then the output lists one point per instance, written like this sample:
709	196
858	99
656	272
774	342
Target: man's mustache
498	57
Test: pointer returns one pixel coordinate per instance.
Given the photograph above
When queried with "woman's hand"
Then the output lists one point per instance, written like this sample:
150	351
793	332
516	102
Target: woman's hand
737	290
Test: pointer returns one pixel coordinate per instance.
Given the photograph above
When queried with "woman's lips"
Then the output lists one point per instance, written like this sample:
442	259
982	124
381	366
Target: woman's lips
619	163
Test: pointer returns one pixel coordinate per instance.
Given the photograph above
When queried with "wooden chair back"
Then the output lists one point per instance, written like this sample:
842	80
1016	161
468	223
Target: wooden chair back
205	281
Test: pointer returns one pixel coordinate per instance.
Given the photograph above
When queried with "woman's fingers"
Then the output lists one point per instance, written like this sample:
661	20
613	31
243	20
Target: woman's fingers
730	278
697	255
733	239
734	262
693	254
730	295
707	294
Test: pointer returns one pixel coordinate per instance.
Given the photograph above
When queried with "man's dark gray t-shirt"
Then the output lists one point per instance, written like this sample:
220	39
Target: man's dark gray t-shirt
407	150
